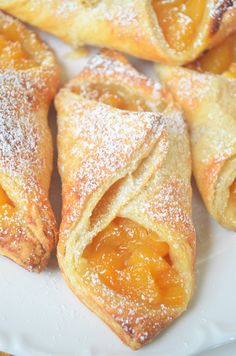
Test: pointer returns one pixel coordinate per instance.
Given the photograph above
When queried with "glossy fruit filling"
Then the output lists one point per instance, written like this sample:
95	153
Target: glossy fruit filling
219	60
112	96
179	20
13	55
6	206
130	260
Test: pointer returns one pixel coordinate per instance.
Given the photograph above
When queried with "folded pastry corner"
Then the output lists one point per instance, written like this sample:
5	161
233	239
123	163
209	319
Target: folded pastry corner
127	243
159	30
206	91
29	78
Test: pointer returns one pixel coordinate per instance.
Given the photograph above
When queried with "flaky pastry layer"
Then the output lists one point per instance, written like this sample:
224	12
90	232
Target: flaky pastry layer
123	154
29	79
208	101
171	32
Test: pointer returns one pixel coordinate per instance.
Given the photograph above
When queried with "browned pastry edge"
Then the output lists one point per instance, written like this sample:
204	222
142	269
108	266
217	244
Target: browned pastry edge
26	156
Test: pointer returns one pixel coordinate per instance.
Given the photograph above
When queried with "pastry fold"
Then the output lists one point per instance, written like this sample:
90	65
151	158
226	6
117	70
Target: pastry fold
125	165
28	81
208	101
168	31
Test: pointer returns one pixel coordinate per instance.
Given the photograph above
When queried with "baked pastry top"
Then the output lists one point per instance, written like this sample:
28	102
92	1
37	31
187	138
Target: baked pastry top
29	78
206	91
219	60
172	32
127	243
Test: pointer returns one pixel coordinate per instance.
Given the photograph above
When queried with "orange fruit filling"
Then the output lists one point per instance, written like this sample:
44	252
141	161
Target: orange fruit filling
13	55
130	260
111	96
219	60
6	206
179	20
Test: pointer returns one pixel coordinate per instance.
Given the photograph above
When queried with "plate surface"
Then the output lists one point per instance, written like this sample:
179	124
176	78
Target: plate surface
40	316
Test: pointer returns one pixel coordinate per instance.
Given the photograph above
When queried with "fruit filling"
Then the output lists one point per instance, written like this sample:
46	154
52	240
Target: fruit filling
6	206
112	96
130	260
179	20
13	55
219	60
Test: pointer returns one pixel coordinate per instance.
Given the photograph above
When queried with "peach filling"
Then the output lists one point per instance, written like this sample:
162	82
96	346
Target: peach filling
179	20
131	261
112	96
6	206
219	60
13	55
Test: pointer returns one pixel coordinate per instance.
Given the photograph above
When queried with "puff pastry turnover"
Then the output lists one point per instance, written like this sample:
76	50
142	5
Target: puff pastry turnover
159	30
126	243
28	81
208	100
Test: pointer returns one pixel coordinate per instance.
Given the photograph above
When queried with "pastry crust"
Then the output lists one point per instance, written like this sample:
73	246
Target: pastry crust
139	161
28	236
133	28
209	104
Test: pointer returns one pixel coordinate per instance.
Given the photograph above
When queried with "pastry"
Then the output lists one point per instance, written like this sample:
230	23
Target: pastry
207	94
126	243
28	81
219	60
159	30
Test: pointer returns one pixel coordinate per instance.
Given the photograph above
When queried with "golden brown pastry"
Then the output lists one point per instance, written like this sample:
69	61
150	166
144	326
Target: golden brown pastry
219	60
168	31
28	81
208	100
126	243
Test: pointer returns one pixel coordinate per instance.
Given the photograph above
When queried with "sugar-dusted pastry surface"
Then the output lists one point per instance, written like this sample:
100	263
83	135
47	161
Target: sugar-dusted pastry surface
131	261
167	31
219	60
126	257
206	91
12	52
12	56
29	78
179	20
126	245
6	206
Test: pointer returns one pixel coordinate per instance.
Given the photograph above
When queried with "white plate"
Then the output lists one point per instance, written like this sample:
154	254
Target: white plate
40	316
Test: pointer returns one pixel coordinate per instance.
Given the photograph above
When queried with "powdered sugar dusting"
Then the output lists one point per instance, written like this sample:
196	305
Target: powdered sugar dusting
114	70
104	142
121	16
63	9
18	134
168	205
186	83
108	70
175	122
20	154
136	319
